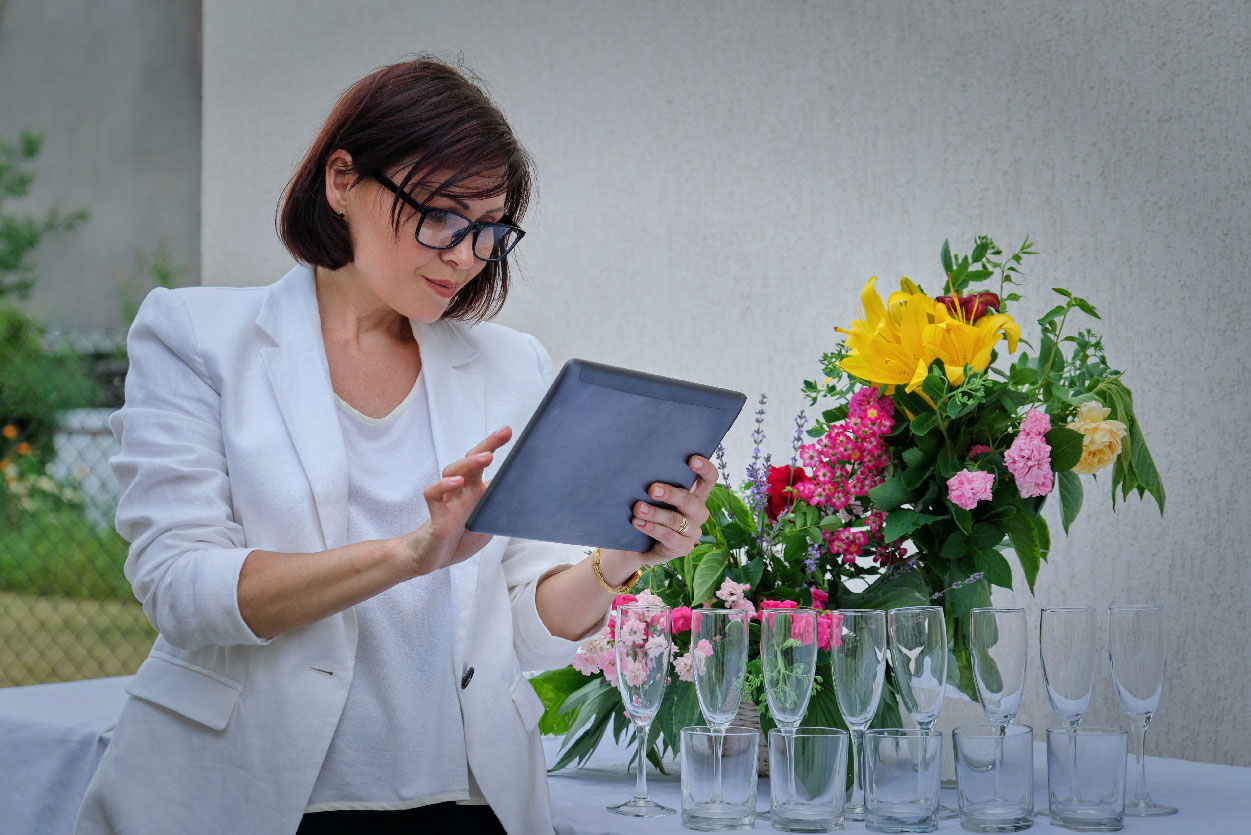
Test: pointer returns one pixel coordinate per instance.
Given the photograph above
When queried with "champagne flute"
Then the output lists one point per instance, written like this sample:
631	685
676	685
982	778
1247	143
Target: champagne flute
719	663
1136	647
918	657
788	661
1066	647
859	662
997	642
642	647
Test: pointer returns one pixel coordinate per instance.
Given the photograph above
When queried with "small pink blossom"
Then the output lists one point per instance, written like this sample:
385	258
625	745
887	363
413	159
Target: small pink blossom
635	672
585	664
648	598
746	605
1029	461
1036	422
968	487
802	627
704	648
680	619
731	591
978	449
608	663
623	599
819	598
632	632
655	645
682	666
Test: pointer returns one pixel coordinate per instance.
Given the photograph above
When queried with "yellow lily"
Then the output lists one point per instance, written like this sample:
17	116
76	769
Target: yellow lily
894	344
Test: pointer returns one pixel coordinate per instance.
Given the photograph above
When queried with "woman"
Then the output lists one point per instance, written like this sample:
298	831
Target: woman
336	652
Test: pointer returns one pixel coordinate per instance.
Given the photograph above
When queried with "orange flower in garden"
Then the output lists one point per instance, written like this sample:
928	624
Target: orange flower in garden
9	431
23	448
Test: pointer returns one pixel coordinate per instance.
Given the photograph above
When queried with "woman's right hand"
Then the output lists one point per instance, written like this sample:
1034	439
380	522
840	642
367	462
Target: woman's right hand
443	540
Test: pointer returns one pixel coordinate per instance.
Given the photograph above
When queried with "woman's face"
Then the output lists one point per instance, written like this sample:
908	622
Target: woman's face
394	269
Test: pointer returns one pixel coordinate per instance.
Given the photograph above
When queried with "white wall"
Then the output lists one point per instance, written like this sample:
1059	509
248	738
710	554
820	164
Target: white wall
115	89
717	181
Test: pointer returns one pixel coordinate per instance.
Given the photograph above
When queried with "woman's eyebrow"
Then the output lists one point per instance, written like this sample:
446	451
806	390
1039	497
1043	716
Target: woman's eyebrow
465	206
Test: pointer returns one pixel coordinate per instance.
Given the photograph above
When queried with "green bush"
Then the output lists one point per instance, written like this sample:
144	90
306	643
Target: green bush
53	551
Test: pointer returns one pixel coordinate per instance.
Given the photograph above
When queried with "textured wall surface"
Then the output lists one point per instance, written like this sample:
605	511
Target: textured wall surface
115	89
718	180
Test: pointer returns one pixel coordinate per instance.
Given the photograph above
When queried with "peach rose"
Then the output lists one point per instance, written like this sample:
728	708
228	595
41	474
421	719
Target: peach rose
1102	437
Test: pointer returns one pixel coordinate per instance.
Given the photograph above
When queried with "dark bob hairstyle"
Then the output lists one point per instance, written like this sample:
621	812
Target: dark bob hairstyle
429	119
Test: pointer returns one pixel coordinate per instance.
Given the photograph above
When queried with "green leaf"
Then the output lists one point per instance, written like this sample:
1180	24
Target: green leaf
964	519
902	522
1066	448
691	560
1062	292
947	464
1070	485
1044	535
1086	307
934	384
945	256
1054	313
955	546
553	687
985	536
891	493
1144	465
831	523
994	567
723	499
1024	538
753	571
924	422
708	576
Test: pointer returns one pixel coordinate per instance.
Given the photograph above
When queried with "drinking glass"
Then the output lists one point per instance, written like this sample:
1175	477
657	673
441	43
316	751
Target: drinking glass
788	662
995	777
719	784
859	662
918	657
1136	646
1066	644
642	646
1086	792
817	759
997	642
719	663
902	771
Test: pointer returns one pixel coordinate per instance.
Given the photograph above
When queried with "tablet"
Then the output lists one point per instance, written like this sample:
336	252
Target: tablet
599	439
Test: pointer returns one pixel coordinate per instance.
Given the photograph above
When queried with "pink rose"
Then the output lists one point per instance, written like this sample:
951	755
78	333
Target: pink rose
968	487
623	599
1036	422
1029	461
829	630
802	626
819	598
680	619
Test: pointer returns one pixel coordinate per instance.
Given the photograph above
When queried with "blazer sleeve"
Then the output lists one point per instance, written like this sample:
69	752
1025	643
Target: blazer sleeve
186	549
526	564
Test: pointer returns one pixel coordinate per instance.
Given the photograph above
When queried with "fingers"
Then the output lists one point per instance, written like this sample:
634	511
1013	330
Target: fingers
492	442
443	488
707	476
480	457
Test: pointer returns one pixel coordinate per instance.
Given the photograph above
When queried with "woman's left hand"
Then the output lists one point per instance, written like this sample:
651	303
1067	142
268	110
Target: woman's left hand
676	531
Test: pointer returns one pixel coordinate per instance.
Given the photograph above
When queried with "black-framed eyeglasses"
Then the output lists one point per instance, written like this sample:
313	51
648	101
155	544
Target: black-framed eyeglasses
443	228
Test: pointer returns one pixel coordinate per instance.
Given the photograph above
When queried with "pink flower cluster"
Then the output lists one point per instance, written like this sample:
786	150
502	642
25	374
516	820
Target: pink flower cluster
968	487
735	596
829	624
846	463
1029	457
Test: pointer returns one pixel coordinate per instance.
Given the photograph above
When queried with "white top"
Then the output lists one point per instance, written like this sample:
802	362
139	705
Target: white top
400	742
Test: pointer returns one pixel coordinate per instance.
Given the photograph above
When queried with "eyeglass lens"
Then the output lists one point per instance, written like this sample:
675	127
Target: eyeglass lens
443	230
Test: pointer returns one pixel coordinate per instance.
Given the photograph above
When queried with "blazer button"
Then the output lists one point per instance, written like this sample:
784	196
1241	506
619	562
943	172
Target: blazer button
466	678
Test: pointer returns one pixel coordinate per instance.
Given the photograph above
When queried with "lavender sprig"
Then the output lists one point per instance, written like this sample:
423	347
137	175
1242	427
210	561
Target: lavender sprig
758	434
722	467
801	420
972	578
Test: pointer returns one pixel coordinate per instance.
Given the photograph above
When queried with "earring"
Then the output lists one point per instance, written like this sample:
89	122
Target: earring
342	215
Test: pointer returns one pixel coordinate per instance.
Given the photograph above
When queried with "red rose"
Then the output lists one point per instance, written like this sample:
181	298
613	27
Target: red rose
973	307
782	481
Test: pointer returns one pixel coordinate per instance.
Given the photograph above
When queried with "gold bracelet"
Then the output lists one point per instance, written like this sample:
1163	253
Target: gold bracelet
599	575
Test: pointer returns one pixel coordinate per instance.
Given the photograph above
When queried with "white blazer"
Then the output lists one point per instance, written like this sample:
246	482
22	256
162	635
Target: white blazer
230	443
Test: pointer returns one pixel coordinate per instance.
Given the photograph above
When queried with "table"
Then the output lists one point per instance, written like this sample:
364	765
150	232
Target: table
52	737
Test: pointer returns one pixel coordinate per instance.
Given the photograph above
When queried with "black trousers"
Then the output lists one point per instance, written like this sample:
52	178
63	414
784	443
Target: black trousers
435	818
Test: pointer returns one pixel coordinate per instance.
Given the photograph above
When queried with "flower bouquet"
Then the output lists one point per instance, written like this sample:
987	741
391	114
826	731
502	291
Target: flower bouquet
933	459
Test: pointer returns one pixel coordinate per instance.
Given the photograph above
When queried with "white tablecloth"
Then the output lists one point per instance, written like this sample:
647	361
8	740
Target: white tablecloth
52	737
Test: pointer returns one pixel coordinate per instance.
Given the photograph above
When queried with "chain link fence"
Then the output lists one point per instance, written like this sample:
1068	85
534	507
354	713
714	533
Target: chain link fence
66	610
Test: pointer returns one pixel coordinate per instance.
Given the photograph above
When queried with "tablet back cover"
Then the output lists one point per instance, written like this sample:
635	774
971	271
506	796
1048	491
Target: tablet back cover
600	437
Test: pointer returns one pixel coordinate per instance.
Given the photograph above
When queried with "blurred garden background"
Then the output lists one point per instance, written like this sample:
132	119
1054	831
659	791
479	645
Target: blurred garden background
99	202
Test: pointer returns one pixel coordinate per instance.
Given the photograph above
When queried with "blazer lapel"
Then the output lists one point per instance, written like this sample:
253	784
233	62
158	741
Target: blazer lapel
300	376
456	395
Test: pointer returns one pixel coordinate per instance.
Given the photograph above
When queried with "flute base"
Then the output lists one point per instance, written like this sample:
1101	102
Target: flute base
1148	810
641	807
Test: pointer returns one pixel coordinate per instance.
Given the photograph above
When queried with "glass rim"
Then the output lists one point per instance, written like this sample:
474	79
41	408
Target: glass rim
730	730
912	609
997	609
727	612
860	612
992	732
810	731
648	606
1137	607
911	733
1094	730
1090	609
